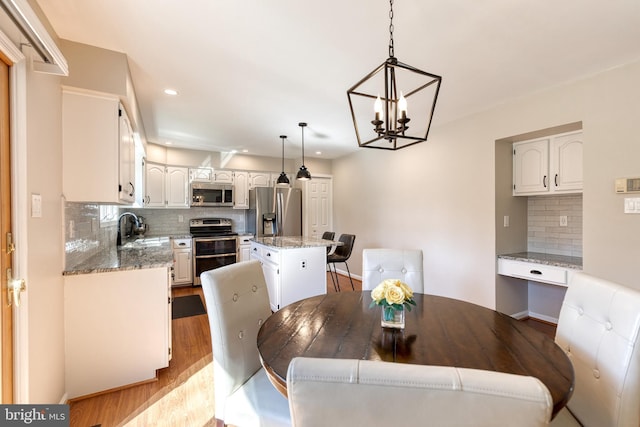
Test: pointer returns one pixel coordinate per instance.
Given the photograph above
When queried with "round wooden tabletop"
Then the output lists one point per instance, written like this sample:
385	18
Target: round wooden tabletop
439	331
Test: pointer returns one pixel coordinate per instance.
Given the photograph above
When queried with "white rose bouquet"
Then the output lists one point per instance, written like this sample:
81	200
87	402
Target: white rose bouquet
392	295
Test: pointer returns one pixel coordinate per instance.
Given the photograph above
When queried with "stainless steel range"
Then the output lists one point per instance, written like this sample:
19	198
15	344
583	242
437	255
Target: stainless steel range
214	244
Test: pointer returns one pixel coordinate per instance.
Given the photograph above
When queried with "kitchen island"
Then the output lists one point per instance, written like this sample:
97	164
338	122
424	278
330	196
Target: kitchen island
294	267
117	316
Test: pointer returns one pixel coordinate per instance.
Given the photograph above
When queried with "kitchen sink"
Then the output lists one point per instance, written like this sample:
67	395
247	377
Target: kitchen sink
146	243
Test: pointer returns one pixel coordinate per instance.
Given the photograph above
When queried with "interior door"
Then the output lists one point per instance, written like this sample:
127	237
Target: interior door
6	318
318	214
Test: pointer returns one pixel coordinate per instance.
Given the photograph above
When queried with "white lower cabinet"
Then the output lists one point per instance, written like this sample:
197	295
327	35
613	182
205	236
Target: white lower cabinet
244	248
292	274
117	328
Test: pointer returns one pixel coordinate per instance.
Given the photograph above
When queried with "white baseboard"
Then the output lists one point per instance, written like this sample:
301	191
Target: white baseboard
344	273
521	315
65	398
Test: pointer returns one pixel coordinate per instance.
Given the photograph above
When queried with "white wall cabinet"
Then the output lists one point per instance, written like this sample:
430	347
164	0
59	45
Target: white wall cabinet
201	174
223	176
117	328
177	187
98	149
166	186
259	179
155	185
240	190
548	165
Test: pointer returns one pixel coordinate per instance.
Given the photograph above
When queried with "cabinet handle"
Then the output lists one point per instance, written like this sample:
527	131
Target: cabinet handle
536	272
544	181
133	189
556	180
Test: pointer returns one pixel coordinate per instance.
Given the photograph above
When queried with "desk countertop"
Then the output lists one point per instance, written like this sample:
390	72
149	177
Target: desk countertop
546	259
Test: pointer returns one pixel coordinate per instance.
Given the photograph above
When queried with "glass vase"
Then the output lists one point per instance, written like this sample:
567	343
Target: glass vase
392	318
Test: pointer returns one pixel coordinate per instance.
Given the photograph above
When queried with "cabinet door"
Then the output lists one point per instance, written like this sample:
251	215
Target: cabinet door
90	148
201	174
272	277
223	177
259	179
177	187
566	162
241	190
182	266
127	154
531	167
155	185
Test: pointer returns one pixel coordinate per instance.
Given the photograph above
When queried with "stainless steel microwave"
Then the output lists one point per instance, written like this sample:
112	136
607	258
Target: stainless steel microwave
203	194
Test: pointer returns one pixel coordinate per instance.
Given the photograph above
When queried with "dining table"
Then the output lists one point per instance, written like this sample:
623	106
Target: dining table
438	331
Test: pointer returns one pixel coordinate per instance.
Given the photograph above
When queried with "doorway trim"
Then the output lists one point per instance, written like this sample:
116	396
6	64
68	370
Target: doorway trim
19	206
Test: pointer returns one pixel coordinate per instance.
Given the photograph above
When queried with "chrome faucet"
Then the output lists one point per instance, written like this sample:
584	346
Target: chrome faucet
119	237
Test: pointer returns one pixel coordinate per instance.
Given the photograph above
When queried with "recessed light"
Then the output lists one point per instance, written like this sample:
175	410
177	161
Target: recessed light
234	151
168	143
245	151
318	152
171	92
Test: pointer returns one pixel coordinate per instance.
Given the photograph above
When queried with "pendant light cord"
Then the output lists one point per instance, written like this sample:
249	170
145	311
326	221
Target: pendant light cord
391	50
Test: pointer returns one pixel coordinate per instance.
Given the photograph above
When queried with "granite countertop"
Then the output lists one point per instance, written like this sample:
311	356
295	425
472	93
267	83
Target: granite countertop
151	252
546	259
295	242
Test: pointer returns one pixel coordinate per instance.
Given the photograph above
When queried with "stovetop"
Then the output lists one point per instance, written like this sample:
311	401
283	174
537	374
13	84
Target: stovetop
211	227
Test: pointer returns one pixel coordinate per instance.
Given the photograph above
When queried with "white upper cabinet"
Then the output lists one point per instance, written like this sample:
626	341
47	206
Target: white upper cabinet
155	185
259	179
223	176
98	149
240	190
566	163
166	186
201	174
548	165
177	187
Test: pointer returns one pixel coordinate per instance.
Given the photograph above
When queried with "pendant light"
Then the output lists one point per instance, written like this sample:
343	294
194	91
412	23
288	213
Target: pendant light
282	179
303	173
390	93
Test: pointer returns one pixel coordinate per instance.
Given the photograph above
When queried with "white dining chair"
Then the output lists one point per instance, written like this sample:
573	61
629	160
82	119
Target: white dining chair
237	305
350	392
402	264
598	329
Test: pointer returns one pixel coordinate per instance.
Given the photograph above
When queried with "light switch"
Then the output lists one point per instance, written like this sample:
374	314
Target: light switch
563	221
506	221
632	205
36	205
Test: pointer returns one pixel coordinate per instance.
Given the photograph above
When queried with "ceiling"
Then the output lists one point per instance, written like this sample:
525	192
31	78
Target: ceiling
248	71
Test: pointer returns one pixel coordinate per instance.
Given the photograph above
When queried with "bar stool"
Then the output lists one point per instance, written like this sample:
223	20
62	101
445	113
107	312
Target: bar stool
328	235
341	254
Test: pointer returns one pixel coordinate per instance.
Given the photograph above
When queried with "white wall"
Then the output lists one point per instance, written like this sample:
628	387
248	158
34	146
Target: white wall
439	196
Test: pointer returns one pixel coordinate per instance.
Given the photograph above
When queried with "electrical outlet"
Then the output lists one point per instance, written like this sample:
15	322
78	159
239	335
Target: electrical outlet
563	221
303	264
180	218
506	220
72	229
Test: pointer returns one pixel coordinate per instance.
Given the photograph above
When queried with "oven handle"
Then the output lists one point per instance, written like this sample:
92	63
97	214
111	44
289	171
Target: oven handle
215	256
212	239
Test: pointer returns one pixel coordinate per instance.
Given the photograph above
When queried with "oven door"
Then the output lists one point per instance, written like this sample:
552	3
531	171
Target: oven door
212	252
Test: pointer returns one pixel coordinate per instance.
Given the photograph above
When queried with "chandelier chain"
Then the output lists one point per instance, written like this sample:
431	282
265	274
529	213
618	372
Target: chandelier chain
391	50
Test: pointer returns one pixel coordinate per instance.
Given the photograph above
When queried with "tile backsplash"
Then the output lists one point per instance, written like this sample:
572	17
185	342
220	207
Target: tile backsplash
544	233
85	237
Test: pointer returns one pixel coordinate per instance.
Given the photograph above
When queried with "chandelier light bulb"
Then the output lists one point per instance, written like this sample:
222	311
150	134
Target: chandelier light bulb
402	105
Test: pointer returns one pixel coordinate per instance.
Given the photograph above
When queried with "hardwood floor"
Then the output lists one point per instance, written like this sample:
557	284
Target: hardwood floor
183	392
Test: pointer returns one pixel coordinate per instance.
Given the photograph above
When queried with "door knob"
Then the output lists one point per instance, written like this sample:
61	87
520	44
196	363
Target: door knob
14	288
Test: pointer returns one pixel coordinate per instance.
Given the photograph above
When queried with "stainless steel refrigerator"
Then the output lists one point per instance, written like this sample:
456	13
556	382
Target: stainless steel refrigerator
275	212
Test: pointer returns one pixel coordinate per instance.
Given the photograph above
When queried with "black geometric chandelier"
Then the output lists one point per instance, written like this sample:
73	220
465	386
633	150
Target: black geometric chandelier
392	95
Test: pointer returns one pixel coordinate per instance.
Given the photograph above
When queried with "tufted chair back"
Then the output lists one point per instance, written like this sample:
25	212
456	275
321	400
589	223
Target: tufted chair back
237	305
598	329
342	392
381	264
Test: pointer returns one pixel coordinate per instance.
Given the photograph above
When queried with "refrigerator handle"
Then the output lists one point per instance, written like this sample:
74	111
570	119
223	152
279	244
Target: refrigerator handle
278	206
